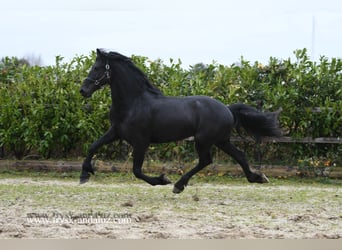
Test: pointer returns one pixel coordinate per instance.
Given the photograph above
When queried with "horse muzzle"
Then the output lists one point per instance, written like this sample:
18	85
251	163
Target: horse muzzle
85	93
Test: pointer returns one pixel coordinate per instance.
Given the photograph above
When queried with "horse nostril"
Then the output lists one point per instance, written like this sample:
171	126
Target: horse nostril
85	93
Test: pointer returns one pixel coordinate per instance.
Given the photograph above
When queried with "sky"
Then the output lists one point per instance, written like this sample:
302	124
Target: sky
192	30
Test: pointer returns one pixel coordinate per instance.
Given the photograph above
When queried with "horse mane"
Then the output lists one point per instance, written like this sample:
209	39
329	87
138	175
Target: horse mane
139	75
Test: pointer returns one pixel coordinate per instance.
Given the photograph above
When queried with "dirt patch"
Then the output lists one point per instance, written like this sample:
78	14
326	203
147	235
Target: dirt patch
64	209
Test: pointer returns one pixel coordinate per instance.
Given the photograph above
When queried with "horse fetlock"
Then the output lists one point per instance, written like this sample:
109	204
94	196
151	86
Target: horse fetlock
87	167
264	178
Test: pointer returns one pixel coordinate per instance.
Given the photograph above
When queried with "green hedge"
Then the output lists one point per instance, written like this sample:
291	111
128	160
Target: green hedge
43	113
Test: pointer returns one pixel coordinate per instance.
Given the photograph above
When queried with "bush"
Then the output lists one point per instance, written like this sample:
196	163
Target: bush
43	113
42	110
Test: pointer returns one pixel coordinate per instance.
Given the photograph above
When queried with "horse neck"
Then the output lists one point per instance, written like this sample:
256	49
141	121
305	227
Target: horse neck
120	100
123	95
127	86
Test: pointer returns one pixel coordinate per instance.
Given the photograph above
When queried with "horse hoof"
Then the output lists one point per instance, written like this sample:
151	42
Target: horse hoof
84	180
164	179
84	177
177	190
258	178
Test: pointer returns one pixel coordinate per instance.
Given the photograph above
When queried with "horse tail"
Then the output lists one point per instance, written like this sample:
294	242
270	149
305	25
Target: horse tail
255	122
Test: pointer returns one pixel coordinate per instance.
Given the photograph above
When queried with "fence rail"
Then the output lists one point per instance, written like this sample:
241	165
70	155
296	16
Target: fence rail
63	167
286	139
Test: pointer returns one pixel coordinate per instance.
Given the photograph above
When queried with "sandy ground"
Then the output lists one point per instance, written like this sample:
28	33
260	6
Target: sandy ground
63	209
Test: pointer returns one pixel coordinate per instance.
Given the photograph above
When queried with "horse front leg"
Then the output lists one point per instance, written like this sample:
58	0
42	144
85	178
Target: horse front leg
87	168
138	159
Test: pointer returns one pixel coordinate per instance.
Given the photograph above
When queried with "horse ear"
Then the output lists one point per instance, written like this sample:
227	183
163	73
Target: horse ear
100	53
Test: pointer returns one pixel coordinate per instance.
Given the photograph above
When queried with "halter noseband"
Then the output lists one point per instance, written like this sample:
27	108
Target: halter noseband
106	75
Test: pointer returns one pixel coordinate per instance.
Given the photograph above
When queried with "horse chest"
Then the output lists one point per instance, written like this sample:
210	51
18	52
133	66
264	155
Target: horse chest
131	130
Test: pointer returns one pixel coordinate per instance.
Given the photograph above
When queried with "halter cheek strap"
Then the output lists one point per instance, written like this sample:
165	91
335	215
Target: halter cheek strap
106	75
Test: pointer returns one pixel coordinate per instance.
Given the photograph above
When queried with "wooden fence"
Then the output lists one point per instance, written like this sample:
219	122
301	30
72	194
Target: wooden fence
66	166
286	139
63	167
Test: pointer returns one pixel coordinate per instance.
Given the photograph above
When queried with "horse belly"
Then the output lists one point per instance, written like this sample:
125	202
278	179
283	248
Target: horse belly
172	128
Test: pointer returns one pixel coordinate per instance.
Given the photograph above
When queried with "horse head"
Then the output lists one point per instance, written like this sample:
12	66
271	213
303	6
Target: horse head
98	76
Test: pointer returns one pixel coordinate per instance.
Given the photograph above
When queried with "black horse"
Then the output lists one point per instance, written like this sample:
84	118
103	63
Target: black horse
140	114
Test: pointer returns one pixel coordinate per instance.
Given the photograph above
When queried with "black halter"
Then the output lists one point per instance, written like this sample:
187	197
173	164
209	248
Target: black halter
106	75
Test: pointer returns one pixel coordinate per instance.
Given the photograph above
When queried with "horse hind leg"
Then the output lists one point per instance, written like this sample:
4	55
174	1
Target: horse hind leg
240	157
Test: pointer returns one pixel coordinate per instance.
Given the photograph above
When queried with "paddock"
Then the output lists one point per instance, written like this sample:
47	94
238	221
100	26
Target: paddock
120	207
